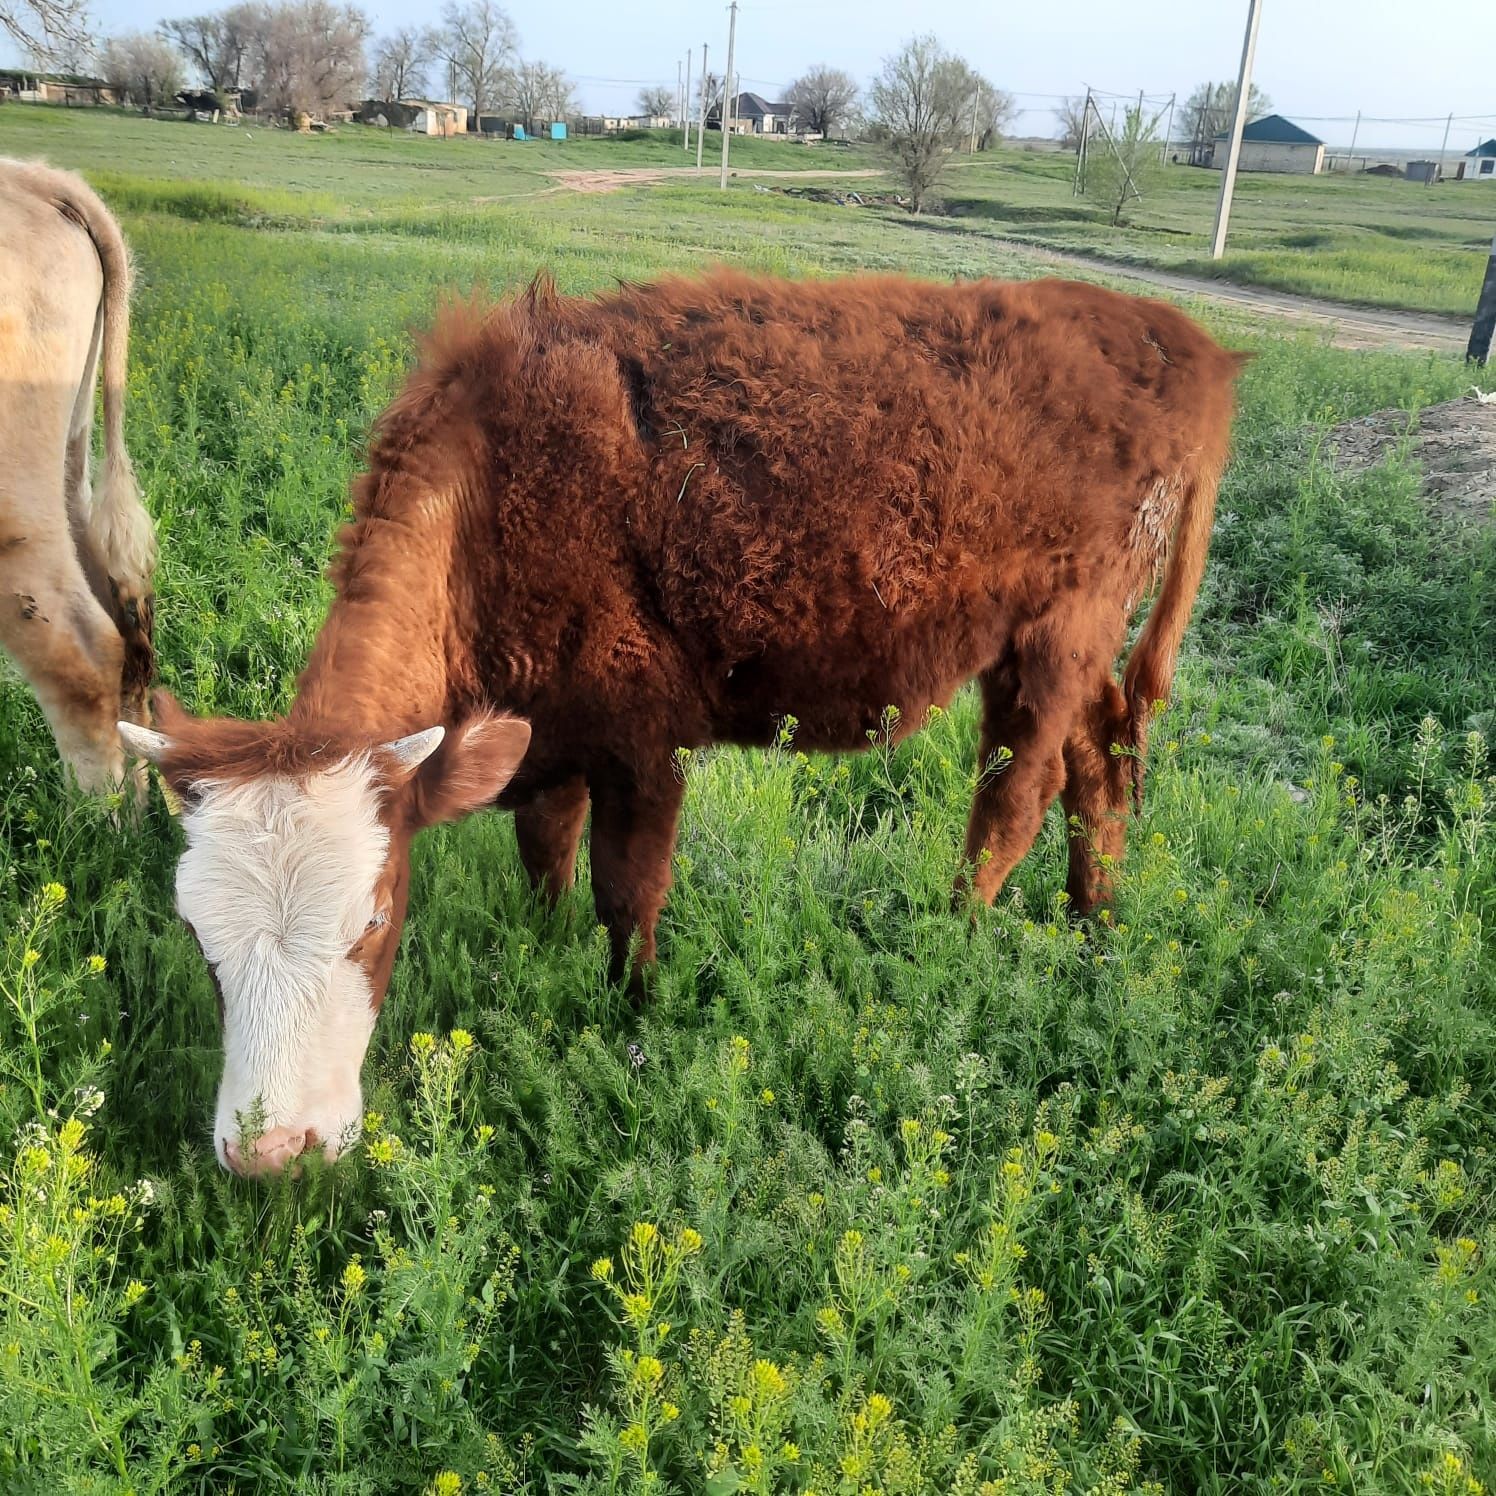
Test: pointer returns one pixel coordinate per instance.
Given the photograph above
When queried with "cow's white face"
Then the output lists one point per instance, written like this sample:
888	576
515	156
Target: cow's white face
279	884
294	886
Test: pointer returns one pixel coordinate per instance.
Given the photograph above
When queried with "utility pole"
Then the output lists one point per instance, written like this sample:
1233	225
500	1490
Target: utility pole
1238	124
1168	132
1429	179
732	37
1479	349
685	104
701	122
1350	165
1080	152
975	105
680	99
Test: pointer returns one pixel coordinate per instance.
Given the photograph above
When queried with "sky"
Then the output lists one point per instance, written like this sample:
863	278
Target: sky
1404	65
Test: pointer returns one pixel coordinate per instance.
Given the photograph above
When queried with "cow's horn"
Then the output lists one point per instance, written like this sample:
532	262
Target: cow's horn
144	742
411	752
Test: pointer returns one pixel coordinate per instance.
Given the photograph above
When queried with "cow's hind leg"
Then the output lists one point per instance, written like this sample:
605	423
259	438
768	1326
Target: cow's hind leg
69	651
1097	786
634	817
1027	709
549	831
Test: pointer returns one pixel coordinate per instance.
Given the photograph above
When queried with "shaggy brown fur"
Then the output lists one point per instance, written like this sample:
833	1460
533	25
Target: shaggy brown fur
678	515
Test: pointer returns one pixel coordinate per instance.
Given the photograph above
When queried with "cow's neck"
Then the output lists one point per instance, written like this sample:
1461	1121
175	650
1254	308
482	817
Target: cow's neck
382	664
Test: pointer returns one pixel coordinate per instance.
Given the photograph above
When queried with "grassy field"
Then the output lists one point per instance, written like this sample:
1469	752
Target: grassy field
1199	1200
1371	240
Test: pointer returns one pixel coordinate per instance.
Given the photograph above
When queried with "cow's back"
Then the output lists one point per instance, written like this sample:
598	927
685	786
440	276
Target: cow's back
837	459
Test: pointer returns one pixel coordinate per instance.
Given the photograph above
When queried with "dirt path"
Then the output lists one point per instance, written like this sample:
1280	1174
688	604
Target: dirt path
610	179
1349	326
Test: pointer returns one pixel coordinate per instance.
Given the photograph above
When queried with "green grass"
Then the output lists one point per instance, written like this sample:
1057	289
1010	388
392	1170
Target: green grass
1199	1200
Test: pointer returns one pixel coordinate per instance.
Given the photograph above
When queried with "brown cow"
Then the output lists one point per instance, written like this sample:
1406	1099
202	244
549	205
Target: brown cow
75	568
674	518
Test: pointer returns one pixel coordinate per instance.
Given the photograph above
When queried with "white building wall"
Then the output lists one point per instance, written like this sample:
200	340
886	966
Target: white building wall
1273	155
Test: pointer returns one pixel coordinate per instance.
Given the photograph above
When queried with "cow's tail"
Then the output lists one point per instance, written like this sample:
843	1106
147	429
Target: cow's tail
1150	667
119	528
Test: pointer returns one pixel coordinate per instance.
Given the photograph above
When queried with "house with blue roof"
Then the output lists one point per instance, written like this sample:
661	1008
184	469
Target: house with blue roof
1479	165
1273	143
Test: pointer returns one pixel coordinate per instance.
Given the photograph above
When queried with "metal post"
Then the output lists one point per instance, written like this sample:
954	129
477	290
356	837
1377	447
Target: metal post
732	36
701	122
1479	349
685	105
1238	124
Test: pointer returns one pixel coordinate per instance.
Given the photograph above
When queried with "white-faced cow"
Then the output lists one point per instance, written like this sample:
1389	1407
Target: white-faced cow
592	533
75	569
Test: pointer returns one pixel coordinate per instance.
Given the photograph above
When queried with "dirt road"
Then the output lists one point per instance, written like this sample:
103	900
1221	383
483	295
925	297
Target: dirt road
1349	326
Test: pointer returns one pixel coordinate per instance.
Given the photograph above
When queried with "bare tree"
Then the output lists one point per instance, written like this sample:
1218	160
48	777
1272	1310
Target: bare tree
51	31
1071	113
221	47
656	100
311	58
402	63
478	43
537	91
992	111
922	102
142	69
1210	108
823	98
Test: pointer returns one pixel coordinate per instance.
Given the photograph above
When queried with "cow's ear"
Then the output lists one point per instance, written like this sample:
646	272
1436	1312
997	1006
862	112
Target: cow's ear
468	769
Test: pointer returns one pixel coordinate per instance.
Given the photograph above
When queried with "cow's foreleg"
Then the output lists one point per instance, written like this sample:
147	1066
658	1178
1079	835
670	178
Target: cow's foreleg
549	830
634	814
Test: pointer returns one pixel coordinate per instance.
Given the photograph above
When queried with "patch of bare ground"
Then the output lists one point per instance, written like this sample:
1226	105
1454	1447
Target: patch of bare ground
1454	445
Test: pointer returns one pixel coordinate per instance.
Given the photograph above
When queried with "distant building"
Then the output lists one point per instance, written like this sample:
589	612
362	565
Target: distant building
419	116
1480	164
611	124
753	115
1273	143
55	88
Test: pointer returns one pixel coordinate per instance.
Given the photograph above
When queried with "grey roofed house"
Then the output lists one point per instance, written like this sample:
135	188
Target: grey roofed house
758	114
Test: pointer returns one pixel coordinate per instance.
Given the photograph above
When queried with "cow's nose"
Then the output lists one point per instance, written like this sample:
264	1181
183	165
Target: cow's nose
271	1152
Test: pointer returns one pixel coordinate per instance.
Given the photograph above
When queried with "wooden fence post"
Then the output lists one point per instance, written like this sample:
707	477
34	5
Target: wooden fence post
1485	315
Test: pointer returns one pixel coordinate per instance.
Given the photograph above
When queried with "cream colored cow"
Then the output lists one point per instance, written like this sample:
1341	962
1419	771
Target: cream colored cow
75	570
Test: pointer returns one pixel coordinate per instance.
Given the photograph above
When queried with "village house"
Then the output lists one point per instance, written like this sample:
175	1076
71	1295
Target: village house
55	88
753	115
419	116
1479	165
1273	143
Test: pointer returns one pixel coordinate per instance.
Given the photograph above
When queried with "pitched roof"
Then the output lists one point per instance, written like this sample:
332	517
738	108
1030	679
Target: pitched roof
756	104
1275	129
1485	148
